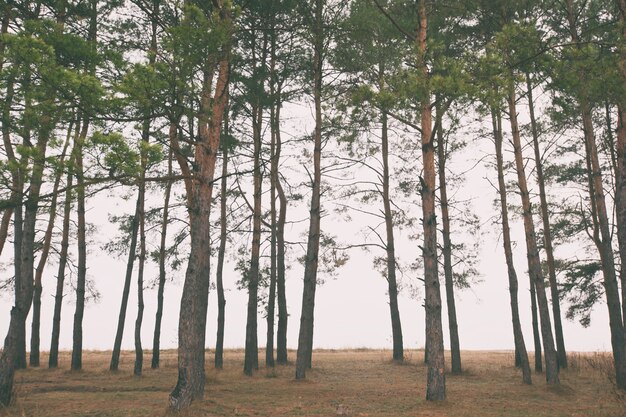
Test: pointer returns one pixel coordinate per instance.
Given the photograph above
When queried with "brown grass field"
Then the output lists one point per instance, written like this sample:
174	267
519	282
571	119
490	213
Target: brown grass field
343	382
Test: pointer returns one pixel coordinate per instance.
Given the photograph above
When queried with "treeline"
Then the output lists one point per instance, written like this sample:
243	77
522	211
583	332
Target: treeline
183	102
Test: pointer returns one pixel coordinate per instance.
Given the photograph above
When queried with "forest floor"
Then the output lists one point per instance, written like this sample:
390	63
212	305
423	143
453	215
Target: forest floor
342	382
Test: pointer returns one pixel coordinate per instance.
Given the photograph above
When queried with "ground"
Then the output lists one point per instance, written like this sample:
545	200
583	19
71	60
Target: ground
342	382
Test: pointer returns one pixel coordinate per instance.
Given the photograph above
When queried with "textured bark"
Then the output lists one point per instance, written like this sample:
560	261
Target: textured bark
436	379
601	226
156	341
81	231
547	233
24	262
392	283
141	200
455	347
251	359
534	263
305	336
518	336
53	359
271	302
192	320
281	331
535	324
219	277
43	258
121	320
620	177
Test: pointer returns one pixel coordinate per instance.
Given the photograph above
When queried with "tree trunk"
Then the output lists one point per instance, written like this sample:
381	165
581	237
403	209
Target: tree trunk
77	346
436	379
535	324
518	336
455	348
156	342
25	265
53	360
392	283
271	302
219	278
547	234
305	336
283	315
36	324
534	263
141	200
193	311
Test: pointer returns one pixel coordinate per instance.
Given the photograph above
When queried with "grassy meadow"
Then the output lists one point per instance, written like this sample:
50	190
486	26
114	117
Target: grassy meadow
343	382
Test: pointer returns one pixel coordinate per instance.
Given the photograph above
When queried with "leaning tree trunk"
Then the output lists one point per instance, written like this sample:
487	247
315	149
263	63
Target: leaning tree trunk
602	233
547	233
219	276
305	336
436	379
156	341
53	359
45	250
193	311
455	347
534	263
518	335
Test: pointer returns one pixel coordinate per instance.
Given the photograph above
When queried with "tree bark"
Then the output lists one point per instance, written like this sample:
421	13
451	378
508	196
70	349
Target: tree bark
271	302
436	379
535	324
193	311
53	360
455	347
547	233
81	278
305	336
156	341
518	336
219	278
281	330
534	263
25	266
36	323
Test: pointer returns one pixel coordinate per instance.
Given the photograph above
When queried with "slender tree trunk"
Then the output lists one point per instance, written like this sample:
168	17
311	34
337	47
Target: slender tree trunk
8	213
141	200
271	302
193	311
518	336
219	278
436	379
392	284
534	263
547	233
77	346
251	360
455	347
45	250
535	324
620	177
156	342
132	253
281	331
53	360
305	337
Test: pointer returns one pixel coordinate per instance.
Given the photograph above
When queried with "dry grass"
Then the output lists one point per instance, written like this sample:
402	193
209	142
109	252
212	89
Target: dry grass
352	383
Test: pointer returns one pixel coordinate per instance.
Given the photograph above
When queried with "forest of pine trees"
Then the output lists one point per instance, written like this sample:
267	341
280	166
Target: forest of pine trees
179	107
